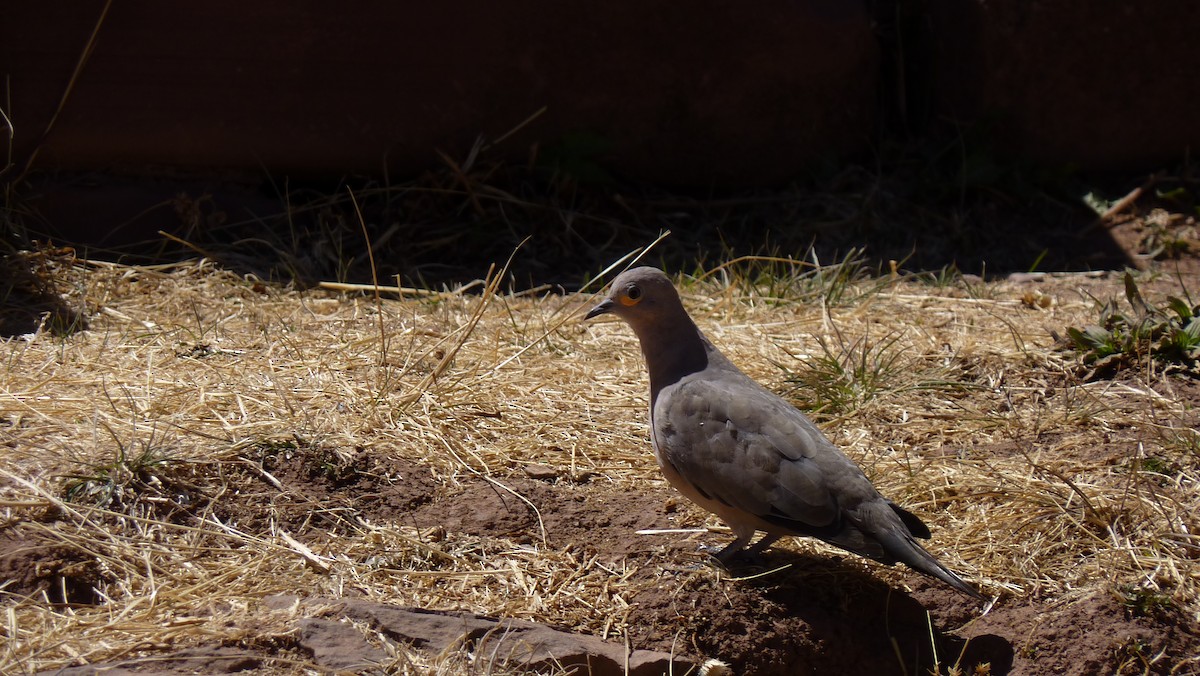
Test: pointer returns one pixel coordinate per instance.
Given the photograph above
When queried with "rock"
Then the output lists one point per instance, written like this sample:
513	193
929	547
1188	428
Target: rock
338	645
531	646
541	472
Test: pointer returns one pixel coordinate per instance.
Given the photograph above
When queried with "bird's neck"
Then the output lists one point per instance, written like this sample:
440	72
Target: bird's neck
671	357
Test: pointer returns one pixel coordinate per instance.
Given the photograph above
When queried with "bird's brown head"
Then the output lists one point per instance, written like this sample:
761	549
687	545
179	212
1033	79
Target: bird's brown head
671	343
638	296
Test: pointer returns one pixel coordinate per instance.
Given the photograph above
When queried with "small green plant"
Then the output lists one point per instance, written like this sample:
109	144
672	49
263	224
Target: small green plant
1166	235
1158	465
1133	655
145	481
835	284
784	279
1184	440
946	277
334	467
844	381
1169	335
844	378
318	460
1140	601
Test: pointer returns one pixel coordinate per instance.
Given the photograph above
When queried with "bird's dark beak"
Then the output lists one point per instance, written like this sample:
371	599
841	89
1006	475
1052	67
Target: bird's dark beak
603	308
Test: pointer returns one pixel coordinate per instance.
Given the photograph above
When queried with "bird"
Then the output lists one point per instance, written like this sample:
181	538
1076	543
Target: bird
744	453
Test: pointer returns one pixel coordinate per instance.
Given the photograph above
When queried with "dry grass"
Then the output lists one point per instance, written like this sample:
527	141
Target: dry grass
1038	485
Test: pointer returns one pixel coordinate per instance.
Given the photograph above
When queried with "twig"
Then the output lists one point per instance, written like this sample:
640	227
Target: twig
1122	204
398	290
383	343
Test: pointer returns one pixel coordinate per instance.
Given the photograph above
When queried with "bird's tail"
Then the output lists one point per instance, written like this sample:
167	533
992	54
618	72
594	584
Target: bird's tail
902	547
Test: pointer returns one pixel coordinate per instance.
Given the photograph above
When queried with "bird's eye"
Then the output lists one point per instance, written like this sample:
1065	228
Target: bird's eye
632	295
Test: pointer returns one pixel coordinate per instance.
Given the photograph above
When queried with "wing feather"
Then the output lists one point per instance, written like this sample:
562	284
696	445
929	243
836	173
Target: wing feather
733	441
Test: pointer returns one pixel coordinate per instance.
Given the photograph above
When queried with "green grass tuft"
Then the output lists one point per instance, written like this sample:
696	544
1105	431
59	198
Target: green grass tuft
1167	335
846	377
148	478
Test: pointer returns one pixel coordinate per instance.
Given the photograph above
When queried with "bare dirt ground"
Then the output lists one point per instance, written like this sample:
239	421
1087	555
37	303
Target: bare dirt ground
221	475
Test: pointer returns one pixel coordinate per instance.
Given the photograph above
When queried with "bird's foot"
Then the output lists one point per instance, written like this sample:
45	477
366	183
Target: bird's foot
728	559
717	556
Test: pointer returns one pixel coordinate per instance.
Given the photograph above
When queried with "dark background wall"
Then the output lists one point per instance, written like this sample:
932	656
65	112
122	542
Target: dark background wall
468	126
704	93
685	94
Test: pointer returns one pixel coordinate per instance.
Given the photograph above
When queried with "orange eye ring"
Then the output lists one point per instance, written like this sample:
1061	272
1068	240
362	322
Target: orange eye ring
631	296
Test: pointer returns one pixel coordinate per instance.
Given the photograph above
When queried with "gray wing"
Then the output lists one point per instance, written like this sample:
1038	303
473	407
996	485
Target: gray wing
744	446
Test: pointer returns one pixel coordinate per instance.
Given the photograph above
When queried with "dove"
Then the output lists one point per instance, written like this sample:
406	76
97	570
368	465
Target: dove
740	451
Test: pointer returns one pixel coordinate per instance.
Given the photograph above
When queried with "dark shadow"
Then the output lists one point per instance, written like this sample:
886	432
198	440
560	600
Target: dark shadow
431	231
862	625
30	296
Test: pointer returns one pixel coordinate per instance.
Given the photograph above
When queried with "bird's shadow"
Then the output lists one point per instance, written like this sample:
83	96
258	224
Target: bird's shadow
850	610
